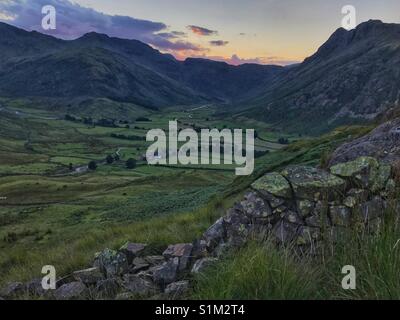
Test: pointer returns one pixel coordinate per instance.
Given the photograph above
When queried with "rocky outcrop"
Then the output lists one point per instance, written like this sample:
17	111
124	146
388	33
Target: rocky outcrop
383	143
299	206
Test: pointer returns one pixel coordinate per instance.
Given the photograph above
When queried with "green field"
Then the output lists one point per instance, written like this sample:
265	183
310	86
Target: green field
50	214
45	206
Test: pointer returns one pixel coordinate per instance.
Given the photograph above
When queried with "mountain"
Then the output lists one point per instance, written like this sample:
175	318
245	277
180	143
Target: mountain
98	66
354	76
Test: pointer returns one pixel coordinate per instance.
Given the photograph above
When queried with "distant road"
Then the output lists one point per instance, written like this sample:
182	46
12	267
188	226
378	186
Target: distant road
201	107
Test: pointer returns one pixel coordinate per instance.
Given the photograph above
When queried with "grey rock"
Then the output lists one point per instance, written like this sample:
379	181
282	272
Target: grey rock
202	264
12	289
111	263
107	287
255	207
167	272
154	260
292	217
71	291
275	184
138	285
199	249
305	207
132	250
182	251
35	288
273	201
177	289
361	195
382	143
89	276
64	280
313	184
215	233
139	264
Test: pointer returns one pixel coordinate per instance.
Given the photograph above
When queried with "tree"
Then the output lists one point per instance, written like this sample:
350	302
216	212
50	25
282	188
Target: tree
92	165
71	167
131	163
110	159
283	141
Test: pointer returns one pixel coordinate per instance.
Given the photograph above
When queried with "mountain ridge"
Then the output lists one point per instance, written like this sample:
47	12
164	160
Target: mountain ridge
353	77
141	74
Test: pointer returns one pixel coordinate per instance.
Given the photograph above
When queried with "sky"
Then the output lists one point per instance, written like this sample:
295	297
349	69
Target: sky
236	31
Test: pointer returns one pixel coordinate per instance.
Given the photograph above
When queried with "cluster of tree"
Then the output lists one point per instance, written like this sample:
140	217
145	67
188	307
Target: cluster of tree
283	140
109	123
124	137
130	163
143	119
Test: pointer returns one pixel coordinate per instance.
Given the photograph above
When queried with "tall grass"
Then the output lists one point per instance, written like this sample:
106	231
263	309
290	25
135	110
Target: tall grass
263	271
259	271
21	264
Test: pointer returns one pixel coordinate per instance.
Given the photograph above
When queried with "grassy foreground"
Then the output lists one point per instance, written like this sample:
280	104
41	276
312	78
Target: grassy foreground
262	271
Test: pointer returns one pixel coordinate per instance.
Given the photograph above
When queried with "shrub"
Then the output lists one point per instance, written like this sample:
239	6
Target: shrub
131	163
110	159
92	165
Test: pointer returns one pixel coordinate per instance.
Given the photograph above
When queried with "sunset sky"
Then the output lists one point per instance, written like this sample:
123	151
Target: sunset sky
236	31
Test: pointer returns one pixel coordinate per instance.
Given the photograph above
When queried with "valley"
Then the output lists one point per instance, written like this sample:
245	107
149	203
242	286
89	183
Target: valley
50	198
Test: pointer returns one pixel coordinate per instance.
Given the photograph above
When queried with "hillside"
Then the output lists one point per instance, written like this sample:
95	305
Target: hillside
353	77
98	66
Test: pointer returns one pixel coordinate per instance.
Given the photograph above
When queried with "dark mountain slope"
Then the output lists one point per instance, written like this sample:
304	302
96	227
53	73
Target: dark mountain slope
98	66
353	77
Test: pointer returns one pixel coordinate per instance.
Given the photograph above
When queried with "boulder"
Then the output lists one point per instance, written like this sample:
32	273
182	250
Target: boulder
273	201
305	207
314	184
132	250
107	287
139	286
167	272
382	144
363	170
292	217
202	264
215	233
111	263
273	183
89	276
238	227
381	178
199	249
182	251
177	289
35	288
64	280
350	202
71	291
255	207
154	260
139	264
12	289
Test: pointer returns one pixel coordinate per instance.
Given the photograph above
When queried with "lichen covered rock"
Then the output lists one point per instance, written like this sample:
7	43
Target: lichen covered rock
312	183
273	183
